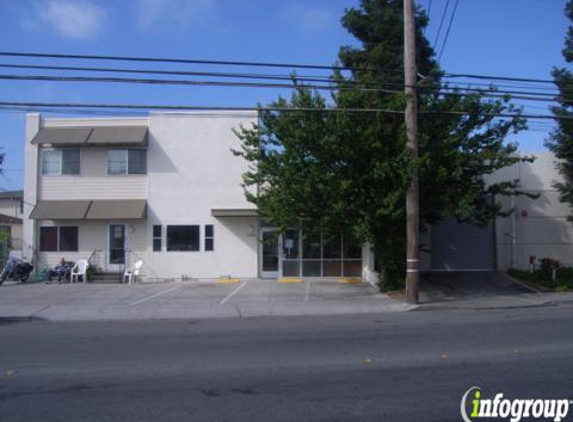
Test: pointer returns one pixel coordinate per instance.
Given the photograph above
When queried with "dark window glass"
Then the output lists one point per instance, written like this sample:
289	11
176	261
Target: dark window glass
137	161
352	247
21	207
157	238
311	268
332	247
311	246
183	238
48	239
70	161
331	268
209	237
68	239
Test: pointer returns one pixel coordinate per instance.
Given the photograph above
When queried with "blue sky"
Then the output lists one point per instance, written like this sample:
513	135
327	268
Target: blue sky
495	37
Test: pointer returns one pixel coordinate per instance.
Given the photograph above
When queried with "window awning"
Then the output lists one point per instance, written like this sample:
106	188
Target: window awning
125	209
93	136
62	135
108	209
60	210
118	135
234	212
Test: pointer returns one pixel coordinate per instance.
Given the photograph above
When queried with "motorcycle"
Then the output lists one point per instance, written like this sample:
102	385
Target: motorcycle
17	270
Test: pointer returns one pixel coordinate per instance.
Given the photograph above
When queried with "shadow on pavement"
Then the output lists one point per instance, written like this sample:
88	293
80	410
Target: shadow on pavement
455	286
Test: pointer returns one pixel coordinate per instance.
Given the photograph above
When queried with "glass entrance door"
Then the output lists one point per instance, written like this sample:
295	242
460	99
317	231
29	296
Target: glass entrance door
116	247
269	253
291	253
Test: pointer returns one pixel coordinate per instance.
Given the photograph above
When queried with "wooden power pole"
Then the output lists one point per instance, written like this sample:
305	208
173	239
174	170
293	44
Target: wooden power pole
411	117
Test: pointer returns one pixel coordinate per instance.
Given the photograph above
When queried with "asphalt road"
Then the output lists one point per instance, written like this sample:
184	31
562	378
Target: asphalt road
393	367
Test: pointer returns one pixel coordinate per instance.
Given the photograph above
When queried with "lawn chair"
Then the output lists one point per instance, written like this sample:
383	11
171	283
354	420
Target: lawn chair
133	272
80	269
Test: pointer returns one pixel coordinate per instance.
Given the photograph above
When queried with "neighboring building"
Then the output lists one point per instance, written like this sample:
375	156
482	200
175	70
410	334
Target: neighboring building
11	212
538	227
165	189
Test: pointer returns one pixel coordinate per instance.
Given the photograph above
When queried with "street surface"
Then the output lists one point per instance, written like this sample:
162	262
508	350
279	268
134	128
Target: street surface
412	366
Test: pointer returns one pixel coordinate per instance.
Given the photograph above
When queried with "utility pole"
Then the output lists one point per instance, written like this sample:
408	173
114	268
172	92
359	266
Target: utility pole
411	117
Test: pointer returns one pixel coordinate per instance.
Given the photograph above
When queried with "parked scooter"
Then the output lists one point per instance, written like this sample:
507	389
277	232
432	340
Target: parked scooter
17	270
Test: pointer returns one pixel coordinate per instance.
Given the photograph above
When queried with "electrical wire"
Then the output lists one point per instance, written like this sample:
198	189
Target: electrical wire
271	108
448	31
441	24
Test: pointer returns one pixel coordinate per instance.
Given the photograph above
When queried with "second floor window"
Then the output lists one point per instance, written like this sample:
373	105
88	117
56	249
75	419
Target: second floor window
126	161
58	162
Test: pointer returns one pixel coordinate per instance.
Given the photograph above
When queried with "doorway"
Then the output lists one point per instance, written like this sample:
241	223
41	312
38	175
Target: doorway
117	245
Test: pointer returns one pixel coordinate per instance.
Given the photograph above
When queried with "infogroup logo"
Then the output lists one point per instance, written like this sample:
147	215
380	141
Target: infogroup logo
514	409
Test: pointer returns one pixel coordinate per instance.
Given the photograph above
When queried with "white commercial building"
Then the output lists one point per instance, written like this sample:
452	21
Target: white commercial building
166	189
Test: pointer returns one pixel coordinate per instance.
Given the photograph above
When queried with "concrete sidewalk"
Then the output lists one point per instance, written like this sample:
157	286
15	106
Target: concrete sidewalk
190	300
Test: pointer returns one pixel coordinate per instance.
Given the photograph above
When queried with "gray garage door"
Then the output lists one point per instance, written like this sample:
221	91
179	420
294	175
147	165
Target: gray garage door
458	247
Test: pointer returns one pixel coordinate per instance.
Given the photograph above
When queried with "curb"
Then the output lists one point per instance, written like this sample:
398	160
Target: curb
28	318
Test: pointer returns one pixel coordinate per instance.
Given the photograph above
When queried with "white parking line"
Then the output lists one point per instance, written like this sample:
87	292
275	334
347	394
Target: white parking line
154	295
306	291
230	295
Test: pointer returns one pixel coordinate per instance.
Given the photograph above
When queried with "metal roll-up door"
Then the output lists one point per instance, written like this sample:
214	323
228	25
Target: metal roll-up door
462	247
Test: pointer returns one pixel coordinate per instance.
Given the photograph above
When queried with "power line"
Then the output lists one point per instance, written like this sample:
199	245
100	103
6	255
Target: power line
271	108
188	82
255	64
441	24
532	97
193	61
448	31
292	79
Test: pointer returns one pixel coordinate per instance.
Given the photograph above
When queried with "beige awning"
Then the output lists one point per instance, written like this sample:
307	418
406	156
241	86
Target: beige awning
62	135
116	209
234	212
60	210
93	135
118	135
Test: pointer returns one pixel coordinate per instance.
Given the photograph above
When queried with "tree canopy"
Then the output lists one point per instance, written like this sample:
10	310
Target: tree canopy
349	171
561	140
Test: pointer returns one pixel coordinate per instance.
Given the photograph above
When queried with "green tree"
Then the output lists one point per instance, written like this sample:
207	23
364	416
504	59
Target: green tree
348	171
561	140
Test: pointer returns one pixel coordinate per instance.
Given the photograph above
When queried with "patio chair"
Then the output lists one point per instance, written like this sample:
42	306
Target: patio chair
80	269
133	272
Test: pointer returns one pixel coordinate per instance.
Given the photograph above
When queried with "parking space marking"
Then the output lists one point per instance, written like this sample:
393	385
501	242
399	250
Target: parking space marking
307	290
230	295
145	299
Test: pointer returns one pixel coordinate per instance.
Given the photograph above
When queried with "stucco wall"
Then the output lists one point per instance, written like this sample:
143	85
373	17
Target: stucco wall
191	171
539	226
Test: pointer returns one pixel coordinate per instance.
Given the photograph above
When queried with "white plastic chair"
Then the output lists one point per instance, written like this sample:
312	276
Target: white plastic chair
133	272
80	269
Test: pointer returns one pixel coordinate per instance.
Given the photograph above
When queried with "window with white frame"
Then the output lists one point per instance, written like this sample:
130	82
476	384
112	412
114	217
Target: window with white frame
126	161
58	162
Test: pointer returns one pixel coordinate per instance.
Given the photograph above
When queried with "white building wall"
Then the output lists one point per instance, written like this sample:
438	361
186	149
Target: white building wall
539	226
30	186
191	171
